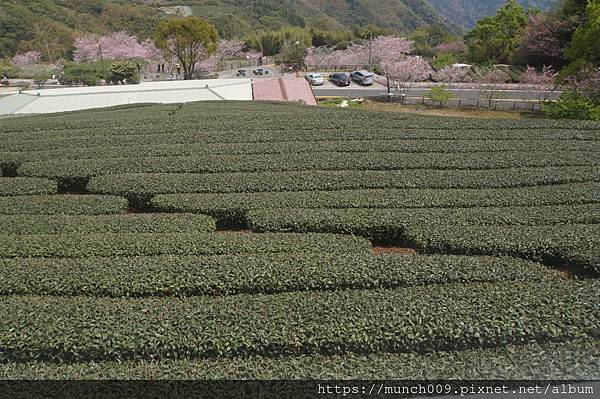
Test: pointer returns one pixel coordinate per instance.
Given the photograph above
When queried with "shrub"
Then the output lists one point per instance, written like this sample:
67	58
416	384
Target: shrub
87	74
252	274
232	208
573	106
572	360
84	224
144	244
62	205
414	319
389	225
10	186
122	72
81	169
573	245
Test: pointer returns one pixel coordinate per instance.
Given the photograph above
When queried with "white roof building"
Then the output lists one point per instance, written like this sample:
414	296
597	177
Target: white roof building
79	98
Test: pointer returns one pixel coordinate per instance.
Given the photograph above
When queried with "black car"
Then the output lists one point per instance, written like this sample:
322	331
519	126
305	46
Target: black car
339	79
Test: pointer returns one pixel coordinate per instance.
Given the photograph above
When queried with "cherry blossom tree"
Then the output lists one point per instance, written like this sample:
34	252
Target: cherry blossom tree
117	46
588	87
226	50
253	56
405	72
453	74
543	81
379	50
490	80
27	60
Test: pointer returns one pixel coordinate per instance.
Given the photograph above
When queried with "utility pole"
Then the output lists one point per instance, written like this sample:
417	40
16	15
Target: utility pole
100	53
370	50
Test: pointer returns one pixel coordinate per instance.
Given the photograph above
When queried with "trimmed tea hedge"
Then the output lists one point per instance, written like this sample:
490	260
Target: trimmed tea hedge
14	159
81	169
84	224
10	186
143	244
416	319
265	116
389	224
141	186
62	205
577	246
573	360
226	275
233	207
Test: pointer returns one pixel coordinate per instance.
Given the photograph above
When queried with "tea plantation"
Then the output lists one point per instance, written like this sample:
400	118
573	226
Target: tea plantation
262	240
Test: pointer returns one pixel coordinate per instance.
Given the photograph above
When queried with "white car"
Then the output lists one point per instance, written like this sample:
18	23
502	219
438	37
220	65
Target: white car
315	79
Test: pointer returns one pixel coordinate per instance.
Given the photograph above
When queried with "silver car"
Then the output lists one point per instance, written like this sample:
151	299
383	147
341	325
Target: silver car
364	78
315	79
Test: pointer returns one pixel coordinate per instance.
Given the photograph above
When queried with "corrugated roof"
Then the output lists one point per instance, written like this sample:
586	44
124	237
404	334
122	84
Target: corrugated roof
283	89
79	98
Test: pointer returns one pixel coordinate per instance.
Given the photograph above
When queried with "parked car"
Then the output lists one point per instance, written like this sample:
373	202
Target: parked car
260	71
339	79
364	78
241	72
315	79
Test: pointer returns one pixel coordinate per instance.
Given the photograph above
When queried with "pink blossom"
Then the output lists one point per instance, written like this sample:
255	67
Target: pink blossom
543	79
407	71
377	51
26	60
118	45
453	74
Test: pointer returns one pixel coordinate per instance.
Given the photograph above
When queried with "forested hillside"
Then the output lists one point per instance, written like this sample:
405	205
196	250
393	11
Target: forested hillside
466	13
51	25
401	15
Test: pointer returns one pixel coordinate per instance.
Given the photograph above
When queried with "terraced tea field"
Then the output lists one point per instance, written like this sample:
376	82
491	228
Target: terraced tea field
258	240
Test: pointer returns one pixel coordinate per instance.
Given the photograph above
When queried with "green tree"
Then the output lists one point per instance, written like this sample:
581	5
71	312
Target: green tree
82	73
585	45
439	95
293	53
426	38
188	39
121	71
495	39
443	60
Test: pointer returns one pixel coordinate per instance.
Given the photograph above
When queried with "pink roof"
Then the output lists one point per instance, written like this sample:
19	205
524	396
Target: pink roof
283	89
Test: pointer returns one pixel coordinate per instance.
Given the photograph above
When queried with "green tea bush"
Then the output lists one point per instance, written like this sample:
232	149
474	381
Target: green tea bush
76	170
252	274
175	133
145	244
140	187
561	245
15	159
233	207
389	225
10	186
62	205
91	224
413	319
572	360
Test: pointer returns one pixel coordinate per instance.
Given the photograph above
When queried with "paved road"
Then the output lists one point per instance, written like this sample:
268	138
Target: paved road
517	99
376	90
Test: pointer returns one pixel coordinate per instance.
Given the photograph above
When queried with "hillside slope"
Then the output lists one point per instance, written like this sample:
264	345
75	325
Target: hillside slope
51	25
466	13
401	15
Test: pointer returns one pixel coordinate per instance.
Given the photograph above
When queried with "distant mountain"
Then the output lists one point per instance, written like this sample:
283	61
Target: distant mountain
401	15
466	13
